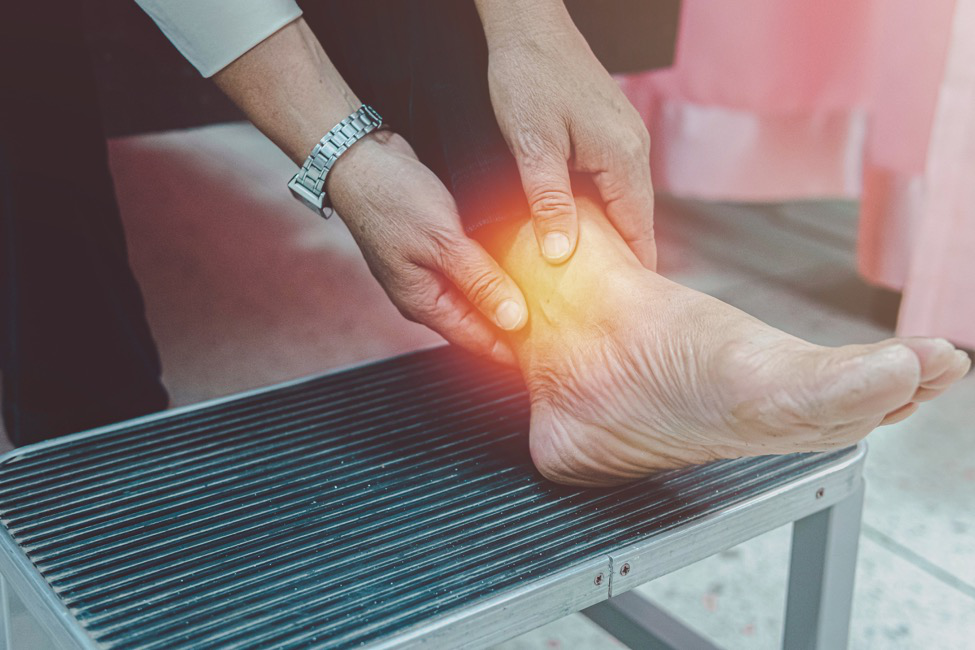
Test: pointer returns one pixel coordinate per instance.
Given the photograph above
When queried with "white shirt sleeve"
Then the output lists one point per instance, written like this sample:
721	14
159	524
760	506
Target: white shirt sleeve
212	33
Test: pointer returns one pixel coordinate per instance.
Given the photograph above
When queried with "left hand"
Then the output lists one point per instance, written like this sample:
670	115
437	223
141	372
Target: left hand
559	110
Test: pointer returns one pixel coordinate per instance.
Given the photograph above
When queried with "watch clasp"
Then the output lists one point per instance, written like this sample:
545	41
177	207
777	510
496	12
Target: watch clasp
314	201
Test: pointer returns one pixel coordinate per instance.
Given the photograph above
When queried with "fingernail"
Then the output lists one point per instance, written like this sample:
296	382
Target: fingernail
508	315
555	245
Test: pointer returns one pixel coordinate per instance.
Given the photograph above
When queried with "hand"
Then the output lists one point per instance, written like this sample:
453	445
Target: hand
407	226
402	217
559	110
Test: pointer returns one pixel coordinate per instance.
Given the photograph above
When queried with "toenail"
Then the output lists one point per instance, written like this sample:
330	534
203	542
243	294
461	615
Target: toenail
508	315
556	245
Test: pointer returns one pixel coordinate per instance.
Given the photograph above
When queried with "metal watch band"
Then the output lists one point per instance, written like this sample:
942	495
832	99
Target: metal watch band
308	185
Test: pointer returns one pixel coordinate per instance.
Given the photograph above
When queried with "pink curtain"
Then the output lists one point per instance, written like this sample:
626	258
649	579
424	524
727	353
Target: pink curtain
868	99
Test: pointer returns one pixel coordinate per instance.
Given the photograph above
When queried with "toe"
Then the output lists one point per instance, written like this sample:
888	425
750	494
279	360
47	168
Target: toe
936	356
961	364
926	394
832	396
866	381
931	388
900	414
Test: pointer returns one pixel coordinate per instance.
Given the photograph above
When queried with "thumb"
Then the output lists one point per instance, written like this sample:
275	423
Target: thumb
485	284
553	208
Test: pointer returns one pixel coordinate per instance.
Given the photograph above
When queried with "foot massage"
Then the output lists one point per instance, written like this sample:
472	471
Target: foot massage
497	181
628	373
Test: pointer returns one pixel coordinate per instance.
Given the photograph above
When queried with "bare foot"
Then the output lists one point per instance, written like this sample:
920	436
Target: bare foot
630	373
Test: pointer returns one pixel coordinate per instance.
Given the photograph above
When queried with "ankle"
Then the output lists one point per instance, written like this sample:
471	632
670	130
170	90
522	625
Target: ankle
601	266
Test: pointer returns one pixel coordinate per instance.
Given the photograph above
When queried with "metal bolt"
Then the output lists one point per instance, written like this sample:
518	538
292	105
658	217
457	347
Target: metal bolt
599	579
625	569
820	492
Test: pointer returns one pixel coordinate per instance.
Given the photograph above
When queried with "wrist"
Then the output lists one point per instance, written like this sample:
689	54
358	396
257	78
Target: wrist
292	108
516	23
357	167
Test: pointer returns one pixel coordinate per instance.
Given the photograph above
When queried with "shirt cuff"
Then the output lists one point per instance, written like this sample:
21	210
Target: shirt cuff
211	34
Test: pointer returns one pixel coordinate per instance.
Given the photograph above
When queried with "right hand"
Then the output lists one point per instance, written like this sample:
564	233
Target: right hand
407	226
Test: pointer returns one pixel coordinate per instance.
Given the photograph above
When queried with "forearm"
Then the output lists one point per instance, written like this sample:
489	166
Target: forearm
289	89
510	21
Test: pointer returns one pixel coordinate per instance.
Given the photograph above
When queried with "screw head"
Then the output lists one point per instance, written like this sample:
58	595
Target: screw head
625	569
820	492
599	579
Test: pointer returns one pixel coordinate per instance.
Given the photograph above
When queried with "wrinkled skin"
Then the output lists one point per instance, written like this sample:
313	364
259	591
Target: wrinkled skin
403	218
407	226
560	111
630	373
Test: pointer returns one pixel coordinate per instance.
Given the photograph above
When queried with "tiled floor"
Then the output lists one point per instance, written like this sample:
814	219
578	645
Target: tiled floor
244	288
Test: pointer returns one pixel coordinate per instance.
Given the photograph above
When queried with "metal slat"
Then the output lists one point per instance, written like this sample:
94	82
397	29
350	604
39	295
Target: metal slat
184	487
532	528
331	512
140	456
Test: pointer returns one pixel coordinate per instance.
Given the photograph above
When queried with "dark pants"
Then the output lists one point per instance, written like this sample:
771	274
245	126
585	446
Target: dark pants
76	348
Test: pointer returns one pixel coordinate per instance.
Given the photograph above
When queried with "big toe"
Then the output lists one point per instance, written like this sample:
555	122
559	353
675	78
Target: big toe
941	365
934	355
861	381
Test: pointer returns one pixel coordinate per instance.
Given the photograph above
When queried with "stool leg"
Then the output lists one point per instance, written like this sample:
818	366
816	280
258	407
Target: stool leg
637	623
821	575
5	641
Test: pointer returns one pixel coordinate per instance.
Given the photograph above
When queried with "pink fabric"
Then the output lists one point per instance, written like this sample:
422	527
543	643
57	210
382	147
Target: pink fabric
939	294
772	100
910	48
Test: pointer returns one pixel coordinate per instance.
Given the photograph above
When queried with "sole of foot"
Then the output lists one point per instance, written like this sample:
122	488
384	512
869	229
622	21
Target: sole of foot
630	373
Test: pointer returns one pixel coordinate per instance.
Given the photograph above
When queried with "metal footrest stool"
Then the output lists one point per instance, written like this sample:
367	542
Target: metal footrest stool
392	505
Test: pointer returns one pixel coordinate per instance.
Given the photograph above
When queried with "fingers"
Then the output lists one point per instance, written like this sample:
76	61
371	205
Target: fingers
627	191
432	300
456	320
545	178
485	284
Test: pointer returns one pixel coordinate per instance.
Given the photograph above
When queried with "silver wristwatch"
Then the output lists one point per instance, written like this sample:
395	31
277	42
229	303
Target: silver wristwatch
308	185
